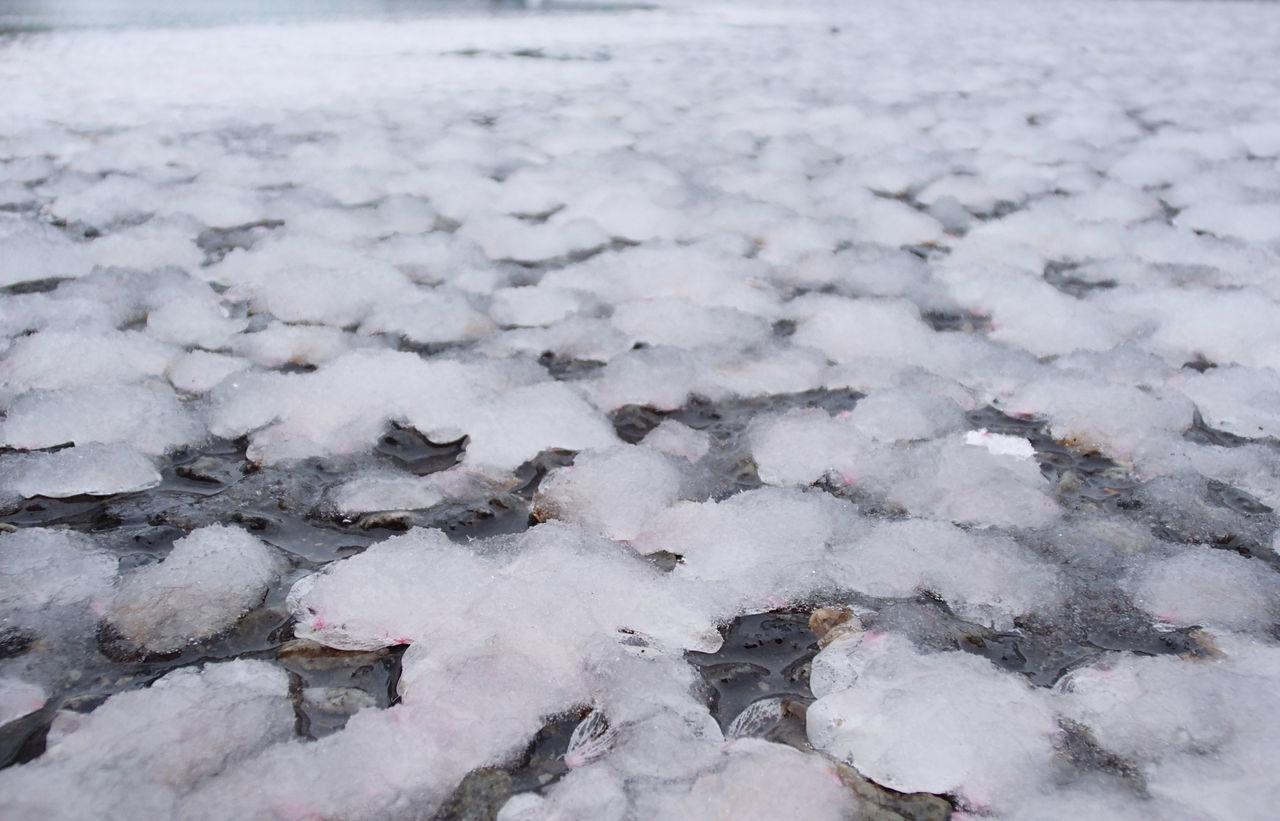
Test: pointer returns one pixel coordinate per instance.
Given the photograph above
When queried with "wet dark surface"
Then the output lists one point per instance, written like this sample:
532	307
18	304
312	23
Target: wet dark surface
218	242
1061	276
1081	479
483	792
284	506
763	655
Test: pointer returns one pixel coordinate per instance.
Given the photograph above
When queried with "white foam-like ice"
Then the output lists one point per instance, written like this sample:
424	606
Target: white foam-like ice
987	735
148	416
50	569
984	578
91	469
723	309
210	578
615	493
176	734
1208	587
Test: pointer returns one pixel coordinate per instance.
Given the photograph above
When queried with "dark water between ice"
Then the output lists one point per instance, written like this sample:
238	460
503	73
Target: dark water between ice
40	15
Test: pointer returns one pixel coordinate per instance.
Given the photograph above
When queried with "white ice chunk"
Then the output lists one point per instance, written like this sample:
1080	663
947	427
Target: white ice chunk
764	547
1201	730
305	279
343	406
533	306
680	324
211	578
1239	400
114	198
392	491
201	371
942	478
673	438
506	238
422	589
760	781
35	250
518	424
1000	444
153	244
179	732
428	316
665	377
853	330
629	212
56	359
18	698
1148	167
1249	222
1205	586
613	492
1122	421
191	314
990	734
149	417
279	344
700	275
984	578
1261	138
906	413
44	570
92	469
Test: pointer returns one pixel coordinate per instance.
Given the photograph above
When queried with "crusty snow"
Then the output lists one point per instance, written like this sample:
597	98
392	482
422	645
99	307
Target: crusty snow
963	316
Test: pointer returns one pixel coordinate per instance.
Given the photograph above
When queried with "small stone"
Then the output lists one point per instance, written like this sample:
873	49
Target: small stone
830	623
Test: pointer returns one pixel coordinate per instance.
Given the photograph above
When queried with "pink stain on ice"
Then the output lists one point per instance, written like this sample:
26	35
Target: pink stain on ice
979	803
298	810
776	602
871	638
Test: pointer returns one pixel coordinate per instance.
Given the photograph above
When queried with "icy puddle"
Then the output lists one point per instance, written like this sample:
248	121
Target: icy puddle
754	410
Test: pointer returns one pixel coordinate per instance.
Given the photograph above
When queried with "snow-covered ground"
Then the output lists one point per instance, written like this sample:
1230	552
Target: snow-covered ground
402	416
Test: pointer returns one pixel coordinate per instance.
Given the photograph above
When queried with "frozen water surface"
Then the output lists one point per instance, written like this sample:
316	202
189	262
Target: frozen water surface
458	410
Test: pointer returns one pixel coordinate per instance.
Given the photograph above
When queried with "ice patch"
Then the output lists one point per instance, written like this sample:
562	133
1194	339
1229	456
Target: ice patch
234	709
990	735
983	578
18	698
92	469
45	570
1000	444
1209	587
615	492
211	578
675	439
147	416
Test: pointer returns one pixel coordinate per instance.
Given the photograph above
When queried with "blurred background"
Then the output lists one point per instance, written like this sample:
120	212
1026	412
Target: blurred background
36	15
